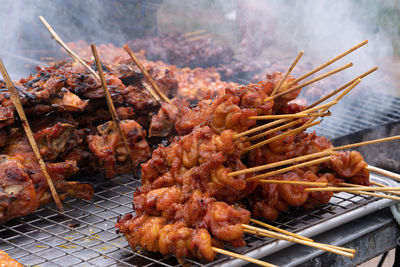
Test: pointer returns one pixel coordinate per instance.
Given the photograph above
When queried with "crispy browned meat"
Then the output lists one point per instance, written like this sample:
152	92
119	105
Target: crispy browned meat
110	149
67	101
156	235
7	261
196	161
17	192
24	186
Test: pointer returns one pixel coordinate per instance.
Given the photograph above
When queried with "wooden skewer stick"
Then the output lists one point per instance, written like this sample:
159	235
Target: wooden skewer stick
384	172
276	89
294	131
266	225
151	89
324	153
337	99
288	116
376	141
303	183
323	107
276	129
188	34
287	169
57	38
110	104
298	236
376	195
316	103
352	189
28	131
330	248
382	185
205	36
147	76
329	62
274	123
242	257
263	232
316	79
374	183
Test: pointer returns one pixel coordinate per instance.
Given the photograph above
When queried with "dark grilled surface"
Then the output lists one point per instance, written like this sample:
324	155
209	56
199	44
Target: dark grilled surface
85	234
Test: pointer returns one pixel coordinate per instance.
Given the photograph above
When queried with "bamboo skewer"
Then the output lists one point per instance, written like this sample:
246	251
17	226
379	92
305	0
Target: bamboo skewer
287	169
329	62
263	232
57	38
259	128
316	79
337	99
283	162
352	189
374	183
188	34
289	116
376	141
147	76
294	131
302	183
242	257
341	88
382	185
273	130
298	236
28	131
276	122
110	103
276	89
376	195
195	38
384	172
266	225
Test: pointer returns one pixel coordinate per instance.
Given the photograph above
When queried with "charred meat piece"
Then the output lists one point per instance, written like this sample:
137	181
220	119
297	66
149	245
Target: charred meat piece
110	149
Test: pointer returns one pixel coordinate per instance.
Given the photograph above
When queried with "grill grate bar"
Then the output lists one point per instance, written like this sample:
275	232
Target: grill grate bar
95	229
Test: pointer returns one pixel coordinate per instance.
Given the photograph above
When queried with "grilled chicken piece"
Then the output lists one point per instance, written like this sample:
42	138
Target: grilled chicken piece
23	185
67	101
110	149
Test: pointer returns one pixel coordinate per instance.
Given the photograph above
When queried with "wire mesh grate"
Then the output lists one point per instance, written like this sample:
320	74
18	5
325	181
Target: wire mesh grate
368	110
84	235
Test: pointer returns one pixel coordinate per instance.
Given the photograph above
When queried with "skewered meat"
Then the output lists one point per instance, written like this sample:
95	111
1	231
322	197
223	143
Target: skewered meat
196	161
111	151
154	234
24	186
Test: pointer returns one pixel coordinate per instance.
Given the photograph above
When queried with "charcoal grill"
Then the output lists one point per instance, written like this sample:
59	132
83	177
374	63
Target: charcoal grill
85	234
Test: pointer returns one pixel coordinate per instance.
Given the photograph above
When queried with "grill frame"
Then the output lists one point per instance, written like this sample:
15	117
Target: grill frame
31	239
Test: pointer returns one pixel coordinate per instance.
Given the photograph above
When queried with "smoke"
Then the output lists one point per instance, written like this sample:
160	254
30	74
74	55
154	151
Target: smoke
25	41
324	29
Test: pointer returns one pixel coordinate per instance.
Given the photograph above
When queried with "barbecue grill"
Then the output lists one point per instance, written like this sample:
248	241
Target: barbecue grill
84	235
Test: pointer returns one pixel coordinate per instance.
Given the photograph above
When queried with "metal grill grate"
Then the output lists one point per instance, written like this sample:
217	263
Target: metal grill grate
85	235
366	111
